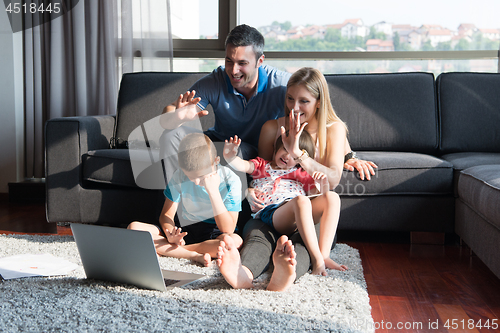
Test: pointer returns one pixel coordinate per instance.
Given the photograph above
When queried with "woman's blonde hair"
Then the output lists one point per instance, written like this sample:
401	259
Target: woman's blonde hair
314	81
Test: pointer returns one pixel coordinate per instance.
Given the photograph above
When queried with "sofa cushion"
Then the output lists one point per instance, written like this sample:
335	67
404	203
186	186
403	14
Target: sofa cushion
462	161
143	96
400	173
387	112
108	166
479	188
469	108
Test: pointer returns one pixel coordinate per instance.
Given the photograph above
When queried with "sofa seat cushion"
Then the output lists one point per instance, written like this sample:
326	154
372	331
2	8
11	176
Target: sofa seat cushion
400	173
108	166
479	188
462	161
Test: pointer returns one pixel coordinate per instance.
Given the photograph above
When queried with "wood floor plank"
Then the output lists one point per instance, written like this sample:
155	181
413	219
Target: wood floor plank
479	316
419	298
25	217
397	316
377	314
454	318
436	289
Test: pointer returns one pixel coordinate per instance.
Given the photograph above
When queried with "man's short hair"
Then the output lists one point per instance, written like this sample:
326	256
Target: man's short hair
245	35
196	152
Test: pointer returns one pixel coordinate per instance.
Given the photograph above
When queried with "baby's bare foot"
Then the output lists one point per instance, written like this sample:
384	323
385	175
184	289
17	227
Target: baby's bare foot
284	265
329	263
229	262
319	268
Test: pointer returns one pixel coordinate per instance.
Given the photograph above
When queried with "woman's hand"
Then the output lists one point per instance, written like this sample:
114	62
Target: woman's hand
231	148
255	203
365	168
176	236
291	141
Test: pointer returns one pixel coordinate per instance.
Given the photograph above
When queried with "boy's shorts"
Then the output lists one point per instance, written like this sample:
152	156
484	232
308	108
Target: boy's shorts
198	232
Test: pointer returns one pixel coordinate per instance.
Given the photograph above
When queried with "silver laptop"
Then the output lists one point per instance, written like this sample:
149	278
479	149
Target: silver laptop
124	256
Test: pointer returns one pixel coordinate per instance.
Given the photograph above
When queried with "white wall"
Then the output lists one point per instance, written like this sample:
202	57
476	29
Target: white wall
11	111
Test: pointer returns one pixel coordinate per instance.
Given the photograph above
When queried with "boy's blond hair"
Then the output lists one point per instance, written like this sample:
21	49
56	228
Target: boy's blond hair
196	152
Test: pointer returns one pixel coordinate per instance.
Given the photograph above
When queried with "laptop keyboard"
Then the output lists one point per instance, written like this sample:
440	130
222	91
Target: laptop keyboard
169	282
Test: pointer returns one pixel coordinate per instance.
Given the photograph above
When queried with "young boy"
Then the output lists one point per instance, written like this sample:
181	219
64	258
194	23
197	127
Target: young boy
210	198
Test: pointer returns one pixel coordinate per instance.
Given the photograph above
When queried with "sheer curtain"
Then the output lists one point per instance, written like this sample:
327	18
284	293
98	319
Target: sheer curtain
145	35
73	64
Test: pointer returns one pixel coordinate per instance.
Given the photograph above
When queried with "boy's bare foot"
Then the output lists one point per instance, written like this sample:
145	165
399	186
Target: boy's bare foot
229	262
284	265
329	263
204	259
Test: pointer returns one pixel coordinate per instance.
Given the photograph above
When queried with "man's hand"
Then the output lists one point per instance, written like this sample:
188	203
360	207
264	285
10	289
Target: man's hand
322	180
176	236
231	148
365	168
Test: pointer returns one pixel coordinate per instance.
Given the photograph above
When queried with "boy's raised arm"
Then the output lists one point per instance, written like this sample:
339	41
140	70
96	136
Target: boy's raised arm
184	109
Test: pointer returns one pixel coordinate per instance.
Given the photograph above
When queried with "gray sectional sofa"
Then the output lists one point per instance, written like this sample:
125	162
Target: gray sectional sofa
436	142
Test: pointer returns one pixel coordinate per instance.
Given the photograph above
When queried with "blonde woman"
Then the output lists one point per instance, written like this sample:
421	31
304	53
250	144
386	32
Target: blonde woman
307	107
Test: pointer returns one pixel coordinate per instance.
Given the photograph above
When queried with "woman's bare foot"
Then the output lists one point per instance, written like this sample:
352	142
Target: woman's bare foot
284	265
204	259
329	263
229	262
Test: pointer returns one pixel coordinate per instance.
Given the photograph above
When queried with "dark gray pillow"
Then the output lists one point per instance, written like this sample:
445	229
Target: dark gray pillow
143	96
391	112
469	108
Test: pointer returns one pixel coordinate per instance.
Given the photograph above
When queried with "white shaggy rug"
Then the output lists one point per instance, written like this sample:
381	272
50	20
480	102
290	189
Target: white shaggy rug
336	303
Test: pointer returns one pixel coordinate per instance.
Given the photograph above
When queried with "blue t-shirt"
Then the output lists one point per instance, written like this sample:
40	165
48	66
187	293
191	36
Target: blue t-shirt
234	115
194	200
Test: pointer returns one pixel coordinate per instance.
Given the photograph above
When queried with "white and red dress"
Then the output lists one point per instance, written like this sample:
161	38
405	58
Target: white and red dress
278	185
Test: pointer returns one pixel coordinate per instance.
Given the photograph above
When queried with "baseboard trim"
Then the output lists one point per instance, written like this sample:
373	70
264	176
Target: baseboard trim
433	238
29	190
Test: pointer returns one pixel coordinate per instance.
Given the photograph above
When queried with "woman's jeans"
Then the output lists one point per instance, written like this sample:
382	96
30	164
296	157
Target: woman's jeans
259	242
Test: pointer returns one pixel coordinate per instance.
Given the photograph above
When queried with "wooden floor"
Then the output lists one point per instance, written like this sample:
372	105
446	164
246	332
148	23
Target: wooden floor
412	288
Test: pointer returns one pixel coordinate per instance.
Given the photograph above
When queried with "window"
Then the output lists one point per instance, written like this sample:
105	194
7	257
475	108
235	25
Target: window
366	25
358	37
195	19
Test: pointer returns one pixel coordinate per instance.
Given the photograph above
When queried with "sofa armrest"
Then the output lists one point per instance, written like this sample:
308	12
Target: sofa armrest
66	140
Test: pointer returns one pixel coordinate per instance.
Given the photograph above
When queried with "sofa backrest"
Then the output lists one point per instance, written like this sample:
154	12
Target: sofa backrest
143	96
469	110
392	112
